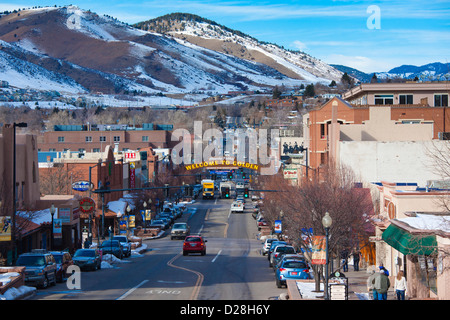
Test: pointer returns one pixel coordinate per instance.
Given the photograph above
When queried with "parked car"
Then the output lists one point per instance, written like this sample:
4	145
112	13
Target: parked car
266	245
40	268
158	223
112	247
126	245
291	269
63	261
262	223
166	220
293	256
194	244
273	245
278	252
180	230
87	259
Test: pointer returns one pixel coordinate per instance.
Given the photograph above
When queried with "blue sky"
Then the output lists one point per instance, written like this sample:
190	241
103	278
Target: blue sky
367	35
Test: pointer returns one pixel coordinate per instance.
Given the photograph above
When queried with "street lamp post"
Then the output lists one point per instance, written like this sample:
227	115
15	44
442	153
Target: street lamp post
52	212
145	216
128	218
326	222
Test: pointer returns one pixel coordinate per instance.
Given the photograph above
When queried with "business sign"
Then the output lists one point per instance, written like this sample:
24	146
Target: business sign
290	173
82	186
132	175
87	205
130	155
64	214
5	228
277	226
319	254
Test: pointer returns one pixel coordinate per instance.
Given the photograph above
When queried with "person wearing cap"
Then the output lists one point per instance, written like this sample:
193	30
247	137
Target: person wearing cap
381	284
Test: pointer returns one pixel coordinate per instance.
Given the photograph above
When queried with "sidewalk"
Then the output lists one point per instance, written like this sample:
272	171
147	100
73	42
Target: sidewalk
357	285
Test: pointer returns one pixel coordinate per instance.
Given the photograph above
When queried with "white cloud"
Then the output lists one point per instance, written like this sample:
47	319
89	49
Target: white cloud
299	45
361	63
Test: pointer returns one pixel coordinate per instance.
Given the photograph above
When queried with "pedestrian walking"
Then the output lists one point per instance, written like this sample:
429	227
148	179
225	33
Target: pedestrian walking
381	284
356	256
370	286
400	285
386	271
344	260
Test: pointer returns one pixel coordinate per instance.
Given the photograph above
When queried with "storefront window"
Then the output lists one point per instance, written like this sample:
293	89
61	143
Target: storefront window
427	270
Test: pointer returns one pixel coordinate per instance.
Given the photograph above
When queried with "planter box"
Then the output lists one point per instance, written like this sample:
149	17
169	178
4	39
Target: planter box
15	282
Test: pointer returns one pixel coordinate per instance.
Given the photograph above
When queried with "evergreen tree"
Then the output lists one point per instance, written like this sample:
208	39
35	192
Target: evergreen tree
374	79
309	90
276	93
346	79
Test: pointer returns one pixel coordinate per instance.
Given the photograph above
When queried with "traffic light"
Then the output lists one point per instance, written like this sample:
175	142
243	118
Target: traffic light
225	193
245	192
244	175
230	175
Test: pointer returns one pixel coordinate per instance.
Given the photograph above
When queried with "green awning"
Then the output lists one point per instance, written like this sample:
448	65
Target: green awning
408	243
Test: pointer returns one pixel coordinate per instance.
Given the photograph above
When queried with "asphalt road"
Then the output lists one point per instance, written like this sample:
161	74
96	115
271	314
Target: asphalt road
232	269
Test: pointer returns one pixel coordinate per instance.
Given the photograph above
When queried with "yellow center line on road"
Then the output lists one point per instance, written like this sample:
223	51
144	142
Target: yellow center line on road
200	277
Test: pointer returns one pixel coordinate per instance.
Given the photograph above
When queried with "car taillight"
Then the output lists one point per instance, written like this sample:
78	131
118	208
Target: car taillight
282	269
306	270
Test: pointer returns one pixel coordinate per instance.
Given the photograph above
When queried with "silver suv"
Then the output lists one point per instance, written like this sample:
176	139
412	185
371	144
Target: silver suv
179	230
40	268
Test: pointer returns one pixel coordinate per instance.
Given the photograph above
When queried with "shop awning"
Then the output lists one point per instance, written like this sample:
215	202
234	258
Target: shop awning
408	243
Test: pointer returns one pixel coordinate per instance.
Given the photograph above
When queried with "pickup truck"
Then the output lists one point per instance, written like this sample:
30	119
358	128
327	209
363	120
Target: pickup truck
179	229
237	206
126	245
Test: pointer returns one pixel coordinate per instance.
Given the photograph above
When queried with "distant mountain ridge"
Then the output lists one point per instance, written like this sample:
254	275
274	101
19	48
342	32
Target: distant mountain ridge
427	72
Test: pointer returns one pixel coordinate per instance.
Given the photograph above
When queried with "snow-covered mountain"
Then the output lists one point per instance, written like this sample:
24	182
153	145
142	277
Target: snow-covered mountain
435	71
72	50
189	28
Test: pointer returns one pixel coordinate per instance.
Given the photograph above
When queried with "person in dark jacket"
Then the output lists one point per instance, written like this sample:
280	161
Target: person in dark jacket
356	256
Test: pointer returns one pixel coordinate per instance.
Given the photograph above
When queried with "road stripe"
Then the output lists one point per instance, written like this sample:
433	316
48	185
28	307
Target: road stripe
217	255
200	277
126	294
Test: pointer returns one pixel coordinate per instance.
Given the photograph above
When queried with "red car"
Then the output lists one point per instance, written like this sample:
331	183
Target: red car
63	261
194	244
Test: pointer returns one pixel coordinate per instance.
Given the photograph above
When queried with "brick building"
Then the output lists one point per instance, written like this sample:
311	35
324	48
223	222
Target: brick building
94	138
318	130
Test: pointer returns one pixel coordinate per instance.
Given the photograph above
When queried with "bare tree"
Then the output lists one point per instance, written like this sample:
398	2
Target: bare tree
304	207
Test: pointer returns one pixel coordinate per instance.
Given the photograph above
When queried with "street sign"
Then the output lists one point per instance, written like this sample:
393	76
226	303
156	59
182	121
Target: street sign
338	286
82	186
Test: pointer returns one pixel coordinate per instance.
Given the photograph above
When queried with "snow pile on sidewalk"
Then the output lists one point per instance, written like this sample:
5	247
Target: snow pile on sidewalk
15	293
307	290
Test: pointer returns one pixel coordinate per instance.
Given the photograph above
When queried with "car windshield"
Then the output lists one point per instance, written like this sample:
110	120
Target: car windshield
295	265
31	261
109	243
285	249
179	226
193	239
276	243
58	257
121	239
85	253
